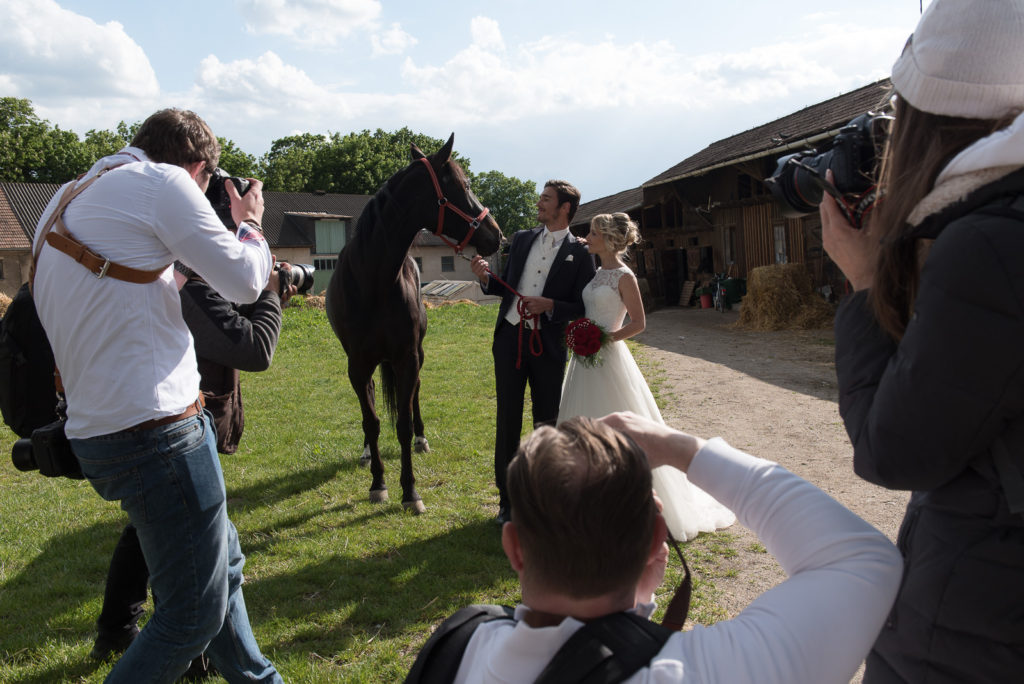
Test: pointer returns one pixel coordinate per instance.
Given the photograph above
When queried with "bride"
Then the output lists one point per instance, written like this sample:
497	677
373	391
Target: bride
616	383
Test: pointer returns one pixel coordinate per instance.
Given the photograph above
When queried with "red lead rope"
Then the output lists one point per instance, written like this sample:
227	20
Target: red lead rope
536	345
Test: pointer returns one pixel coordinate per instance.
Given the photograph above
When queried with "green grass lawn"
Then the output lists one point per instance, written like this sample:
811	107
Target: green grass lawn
338	589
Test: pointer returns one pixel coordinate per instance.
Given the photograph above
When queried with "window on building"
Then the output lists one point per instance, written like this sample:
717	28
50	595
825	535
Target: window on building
330	236
1	269
325	264
447	264
780	244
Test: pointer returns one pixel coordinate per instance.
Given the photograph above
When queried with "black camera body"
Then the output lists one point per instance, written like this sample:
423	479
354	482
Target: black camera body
218	196
799	183
300	275
48	451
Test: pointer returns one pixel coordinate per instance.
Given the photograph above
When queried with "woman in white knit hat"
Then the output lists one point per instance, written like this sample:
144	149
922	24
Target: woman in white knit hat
930	347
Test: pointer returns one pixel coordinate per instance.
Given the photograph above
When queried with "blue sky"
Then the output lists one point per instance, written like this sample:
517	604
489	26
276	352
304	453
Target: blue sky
606	95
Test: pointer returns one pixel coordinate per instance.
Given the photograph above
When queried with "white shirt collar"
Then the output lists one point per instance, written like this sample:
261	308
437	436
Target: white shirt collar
557	235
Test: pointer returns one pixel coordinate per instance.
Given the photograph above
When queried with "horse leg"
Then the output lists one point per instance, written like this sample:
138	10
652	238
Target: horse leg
419	441
407	378
363	384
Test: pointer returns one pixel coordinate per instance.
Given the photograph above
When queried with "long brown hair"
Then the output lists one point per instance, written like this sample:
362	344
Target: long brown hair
920	147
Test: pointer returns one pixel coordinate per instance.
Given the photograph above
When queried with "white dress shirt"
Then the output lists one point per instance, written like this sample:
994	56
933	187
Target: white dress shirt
123	350
538	265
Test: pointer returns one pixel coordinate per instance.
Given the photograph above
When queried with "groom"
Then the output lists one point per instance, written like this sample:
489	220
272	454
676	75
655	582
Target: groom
549	267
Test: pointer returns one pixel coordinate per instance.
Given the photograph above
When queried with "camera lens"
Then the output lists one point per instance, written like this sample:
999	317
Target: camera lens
302	277
22	456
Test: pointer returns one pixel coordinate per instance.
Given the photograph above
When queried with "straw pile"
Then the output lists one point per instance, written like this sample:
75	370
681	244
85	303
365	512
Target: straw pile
780	297
5	302
313	302
433	304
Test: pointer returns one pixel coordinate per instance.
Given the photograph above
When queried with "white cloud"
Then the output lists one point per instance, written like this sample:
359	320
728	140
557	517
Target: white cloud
486	34
47	51
264	88
309	21
393	41
485	81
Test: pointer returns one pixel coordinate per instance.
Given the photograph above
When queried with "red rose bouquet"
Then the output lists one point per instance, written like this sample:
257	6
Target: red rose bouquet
584	339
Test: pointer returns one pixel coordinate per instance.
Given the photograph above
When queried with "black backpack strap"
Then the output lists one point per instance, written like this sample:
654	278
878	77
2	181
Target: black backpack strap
439	659
608	649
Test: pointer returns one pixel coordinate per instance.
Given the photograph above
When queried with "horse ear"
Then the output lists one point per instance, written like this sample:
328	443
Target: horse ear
445	153
416	153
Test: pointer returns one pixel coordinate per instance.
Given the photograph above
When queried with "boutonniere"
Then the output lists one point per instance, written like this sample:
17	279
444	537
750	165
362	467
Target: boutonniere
569	258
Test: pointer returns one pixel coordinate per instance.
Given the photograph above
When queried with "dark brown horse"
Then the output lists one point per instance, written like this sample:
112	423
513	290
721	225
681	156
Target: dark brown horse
374	302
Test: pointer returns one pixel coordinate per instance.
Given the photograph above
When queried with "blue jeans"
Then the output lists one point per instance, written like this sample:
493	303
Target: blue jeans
169	482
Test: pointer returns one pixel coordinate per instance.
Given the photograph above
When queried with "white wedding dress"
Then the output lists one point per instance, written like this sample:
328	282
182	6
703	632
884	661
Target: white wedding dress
618	385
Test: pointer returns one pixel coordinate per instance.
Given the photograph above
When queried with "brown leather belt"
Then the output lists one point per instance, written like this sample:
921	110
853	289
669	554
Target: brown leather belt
194	409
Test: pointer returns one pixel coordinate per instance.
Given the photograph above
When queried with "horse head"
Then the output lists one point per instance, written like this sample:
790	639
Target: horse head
473	223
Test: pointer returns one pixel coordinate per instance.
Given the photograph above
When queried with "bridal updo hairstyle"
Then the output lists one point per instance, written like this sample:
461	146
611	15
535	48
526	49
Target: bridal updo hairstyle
618	230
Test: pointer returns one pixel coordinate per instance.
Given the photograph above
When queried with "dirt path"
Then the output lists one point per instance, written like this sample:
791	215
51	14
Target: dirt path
772	394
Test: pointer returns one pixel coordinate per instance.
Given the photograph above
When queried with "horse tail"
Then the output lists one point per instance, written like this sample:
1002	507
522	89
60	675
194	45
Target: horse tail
389	389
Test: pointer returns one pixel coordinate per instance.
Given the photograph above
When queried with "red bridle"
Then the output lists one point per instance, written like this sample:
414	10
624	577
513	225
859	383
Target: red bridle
442	204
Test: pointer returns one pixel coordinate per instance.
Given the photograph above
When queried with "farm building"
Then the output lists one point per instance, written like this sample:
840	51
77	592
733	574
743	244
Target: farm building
713	213
301	227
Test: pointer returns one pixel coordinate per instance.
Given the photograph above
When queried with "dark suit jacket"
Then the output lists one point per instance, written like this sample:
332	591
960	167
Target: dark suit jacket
572	269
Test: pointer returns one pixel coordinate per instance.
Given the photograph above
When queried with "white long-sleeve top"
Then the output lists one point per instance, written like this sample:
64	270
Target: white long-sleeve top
814	628
124	353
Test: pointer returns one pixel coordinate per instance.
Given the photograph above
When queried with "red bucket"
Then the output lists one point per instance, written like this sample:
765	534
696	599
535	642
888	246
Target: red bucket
705	301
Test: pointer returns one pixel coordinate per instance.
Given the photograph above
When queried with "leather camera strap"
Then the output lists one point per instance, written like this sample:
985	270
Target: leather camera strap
64	241
679	606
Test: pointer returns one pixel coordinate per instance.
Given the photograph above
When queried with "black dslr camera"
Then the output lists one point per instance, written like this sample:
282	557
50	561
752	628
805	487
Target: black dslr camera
300	275
219	198
48	450
798	183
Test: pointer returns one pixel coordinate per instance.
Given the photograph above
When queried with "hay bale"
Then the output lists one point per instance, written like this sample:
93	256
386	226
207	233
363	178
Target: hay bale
780	297
5	302
309	301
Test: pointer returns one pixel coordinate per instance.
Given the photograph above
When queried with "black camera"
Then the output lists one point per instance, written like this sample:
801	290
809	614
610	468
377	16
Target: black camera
300	275
218	196
48	451
799	184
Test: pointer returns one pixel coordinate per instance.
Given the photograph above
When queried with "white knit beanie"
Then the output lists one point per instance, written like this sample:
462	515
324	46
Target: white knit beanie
966	59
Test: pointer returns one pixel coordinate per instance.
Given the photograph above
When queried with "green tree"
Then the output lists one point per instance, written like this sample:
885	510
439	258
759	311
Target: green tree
99	144
22	140
512	202
235	161
288	166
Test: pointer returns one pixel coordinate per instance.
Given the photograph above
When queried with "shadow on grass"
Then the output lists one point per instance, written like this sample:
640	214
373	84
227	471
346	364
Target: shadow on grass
43	604
387	593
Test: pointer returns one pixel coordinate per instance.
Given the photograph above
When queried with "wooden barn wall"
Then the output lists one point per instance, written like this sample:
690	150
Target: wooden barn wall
758	241
796	246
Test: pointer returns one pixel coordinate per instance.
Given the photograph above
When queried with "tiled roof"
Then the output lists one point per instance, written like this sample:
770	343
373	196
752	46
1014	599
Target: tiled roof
761	141
21	205
624	201
283	213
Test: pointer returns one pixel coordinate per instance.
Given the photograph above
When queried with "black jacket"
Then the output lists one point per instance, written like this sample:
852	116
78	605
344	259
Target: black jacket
229	338
923	415
570	272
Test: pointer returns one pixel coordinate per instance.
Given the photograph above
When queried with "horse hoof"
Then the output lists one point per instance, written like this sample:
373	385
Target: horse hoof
364	459
420	445
415	507
378	495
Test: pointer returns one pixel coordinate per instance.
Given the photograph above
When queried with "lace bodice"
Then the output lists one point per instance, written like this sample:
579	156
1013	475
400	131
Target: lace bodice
602	300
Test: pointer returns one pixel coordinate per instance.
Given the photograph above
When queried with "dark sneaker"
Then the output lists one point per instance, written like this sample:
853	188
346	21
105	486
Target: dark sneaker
107	645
